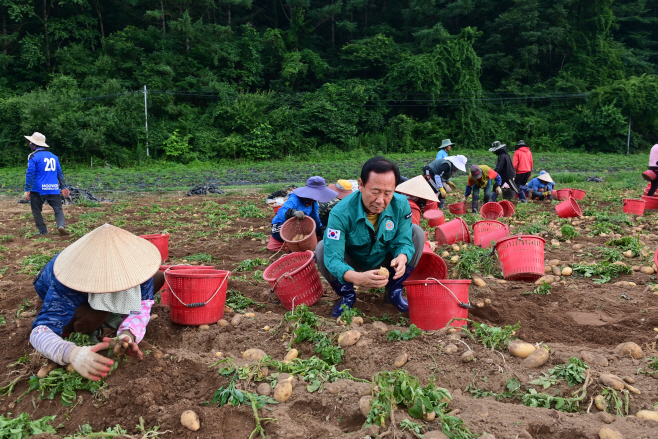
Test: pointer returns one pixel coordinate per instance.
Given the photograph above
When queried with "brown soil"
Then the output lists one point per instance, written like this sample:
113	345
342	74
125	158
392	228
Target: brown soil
577	315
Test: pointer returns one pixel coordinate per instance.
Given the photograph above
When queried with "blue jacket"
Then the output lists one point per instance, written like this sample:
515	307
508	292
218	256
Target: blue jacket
535	184
441	154
293	202
60	302
44	175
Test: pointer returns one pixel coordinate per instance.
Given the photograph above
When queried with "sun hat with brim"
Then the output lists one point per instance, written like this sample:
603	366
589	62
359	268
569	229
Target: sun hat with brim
417	187
446	143
476	172
342	187
521	144
496	146
545	177
107	260
459	161
37	139
316	189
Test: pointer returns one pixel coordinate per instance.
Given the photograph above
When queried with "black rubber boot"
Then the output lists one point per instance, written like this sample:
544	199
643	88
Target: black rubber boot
394	288
474	206
347	297
442	203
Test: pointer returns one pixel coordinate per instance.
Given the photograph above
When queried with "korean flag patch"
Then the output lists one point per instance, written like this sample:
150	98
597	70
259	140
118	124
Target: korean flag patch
333	234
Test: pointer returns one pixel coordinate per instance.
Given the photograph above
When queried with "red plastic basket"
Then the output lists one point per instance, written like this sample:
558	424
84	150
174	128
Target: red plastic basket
651	202
295	280
578	194
522	257
508	208
491	211
647	189
494	235
430	265
435	217
165	293
433	303
457	208
568	209
452	231
294	227
198	296
563	194
276	209
161	241
633	207
483	227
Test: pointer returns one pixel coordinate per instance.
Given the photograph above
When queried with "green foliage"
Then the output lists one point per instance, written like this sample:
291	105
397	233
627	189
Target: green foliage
250	264
65	383
235	397
616	400
33	263
568	231
536	399
21	427
494	337
475	259
542	289
304	327
237	301
573	372
4	238
3	320
199	257
627	243
398	335
605	270
79	339
251	211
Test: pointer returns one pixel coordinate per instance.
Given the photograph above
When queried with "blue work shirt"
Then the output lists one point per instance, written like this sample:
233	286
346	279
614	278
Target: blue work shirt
293	202
535	184
441	154
44	174
60	302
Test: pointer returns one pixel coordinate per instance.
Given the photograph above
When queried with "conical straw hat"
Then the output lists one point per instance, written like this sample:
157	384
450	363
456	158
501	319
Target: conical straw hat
106	260
545	178
417	187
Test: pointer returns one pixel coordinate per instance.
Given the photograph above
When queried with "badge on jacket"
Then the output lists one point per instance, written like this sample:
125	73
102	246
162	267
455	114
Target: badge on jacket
333	234
389	225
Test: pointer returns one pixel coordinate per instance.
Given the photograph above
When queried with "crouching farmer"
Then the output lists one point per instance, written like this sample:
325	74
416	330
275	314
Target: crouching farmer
367	230
109	270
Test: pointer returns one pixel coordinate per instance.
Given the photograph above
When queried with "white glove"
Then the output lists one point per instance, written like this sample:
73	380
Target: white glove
299	215
88	363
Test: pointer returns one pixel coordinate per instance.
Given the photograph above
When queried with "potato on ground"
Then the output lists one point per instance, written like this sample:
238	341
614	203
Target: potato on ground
648	414
190	420
521	349
283	389
613	381
629	349
537	358
254	354
348	338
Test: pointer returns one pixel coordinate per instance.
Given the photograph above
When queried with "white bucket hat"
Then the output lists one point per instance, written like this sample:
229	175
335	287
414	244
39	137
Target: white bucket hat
417	187
459	161
38	139
107	260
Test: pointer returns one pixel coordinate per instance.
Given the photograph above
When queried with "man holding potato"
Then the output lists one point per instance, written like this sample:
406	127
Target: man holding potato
367	230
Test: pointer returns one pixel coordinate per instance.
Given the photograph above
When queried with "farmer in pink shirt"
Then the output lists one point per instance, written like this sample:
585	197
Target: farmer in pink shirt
651	175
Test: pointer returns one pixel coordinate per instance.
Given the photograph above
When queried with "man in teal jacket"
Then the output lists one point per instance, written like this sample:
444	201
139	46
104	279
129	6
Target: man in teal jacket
367	230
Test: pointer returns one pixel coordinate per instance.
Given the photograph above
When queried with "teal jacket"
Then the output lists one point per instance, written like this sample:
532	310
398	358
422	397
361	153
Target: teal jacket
349	231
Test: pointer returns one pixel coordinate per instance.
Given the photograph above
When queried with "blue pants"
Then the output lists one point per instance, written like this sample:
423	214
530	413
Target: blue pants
487	192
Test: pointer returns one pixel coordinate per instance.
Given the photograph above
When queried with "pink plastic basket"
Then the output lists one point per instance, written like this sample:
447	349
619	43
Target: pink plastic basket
161	241
295	280
568	209
563	194
483	227
457	208
430	265
434	217
578	194
491	211
651	202
522	257
508	208
452	231
493	236
197	296
165	292
634	207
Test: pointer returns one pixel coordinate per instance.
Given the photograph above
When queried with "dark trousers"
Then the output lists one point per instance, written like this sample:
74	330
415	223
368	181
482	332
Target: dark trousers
654	184
418	238
36	202
522	179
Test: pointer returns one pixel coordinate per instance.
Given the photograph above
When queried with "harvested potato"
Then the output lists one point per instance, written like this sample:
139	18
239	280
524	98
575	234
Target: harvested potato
383	271
365	404
429	417
599	402
253	354
348	338
537	358
632	389
554	262
646	270
266	328
608	432
235	321
264	389
249	314
401	360
648	414
613	381
45	370
567	271
291	355
204	328
69	368
454	259
628	253
455	247
450	348
222	323
468	356
547	268
629	349
190	420
487	301
358	321
479	304
479	282
445	254
283	389
521	349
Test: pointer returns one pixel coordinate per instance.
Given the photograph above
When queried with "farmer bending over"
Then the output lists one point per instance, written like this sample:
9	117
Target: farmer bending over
481	177
343	188
439	172
302	202
109	270
368	230
651	175
418	193
505	169
541	187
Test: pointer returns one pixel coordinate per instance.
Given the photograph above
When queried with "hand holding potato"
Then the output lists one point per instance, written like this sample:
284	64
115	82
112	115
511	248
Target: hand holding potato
369	279
124	344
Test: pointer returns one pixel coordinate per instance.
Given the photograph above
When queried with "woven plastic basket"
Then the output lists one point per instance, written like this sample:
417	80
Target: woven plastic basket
434	302
633	207
522	257
483	227
161	241
197	296
508	208
295	280
452	231
491	211
165	292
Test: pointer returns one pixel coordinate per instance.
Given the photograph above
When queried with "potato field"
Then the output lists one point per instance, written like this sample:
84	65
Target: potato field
588	329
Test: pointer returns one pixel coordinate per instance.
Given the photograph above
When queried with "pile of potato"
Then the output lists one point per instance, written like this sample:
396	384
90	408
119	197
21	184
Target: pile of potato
300	237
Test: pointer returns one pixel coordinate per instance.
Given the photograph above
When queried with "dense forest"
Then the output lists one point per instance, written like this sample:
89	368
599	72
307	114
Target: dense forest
261	79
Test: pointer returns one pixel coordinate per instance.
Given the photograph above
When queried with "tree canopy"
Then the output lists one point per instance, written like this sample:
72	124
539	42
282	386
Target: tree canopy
260	79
